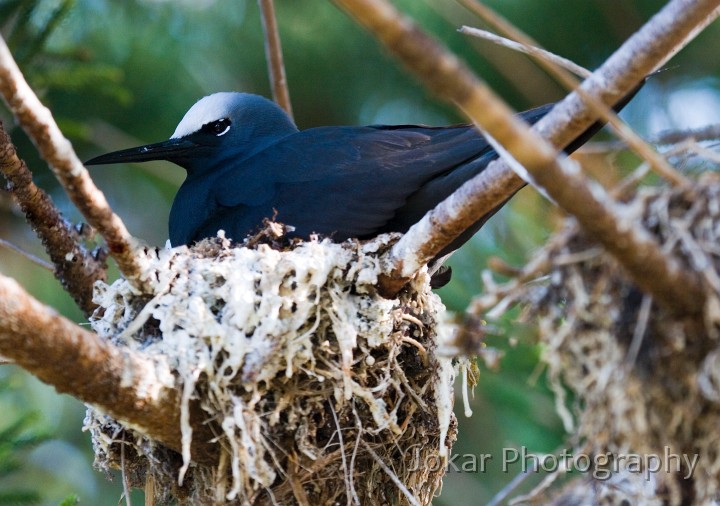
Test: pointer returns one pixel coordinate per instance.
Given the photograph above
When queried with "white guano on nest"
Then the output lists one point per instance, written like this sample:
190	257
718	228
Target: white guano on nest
297	360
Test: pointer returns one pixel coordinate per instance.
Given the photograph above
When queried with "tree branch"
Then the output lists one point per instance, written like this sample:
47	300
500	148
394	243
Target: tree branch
667	137
546	58
659	164
75	267
447	76
57	151
122	383
274	56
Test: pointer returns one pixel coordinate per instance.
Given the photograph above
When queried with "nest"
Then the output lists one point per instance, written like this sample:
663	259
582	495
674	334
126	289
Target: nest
323	391
645	383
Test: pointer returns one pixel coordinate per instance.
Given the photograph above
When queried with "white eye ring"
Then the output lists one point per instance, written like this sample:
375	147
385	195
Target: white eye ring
217	128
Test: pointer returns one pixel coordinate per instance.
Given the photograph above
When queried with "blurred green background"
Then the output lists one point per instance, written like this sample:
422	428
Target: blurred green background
121	73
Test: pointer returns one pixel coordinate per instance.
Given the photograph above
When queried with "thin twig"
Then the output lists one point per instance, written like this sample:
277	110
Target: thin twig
597	107
691	147
389	472
708	133
124	384
528	49
57	151
632	245
76	268
34	259
358	438
341	444
517	480
639	333
124	476
149	489
274	56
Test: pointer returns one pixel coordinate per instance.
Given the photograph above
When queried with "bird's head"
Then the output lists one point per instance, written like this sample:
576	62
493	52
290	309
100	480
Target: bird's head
217	128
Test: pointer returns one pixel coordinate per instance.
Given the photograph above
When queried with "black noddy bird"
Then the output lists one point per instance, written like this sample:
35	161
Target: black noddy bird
247	161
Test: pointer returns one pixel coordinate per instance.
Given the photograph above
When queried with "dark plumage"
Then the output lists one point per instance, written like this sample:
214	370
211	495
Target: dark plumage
245	159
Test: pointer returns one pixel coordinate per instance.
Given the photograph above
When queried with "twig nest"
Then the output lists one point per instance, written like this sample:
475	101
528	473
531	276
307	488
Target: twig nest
321	390
646	384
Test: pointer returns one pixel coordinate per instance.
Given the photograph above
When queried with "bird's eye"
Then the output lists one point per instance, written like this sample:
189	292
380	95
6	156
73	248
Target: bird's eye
217	128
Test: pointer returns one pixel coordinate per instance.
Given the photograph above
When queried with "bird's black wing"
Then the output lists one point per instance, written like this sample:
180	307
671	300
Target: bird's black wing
341	181
351	181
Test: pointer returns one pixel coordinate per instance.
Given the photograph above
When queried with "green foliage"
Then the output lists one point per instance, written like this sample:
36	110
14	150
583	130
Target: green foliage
34	23
70	500
17	436
31	30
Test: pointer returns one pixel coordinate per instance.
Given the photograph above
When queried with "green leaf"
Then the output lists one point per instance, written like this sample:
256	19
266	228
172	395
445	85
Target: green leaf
70	500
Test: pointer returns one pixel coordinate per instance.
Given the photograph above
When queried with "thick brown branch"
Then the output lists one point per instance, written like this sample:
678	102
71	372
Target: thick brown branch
274	56
57	151
75	267
119	382
446	75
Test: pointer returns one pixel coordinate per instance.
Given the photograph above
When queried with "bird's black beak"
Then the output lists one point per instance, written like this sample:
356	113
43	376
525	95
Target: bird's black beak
171	150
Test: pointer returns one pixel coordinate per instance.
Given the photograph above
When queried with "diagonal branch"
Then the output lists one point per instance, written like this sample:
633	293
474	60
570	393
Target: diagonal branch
446	75
274	56
597	108
75	267
122	383
522	44
57	151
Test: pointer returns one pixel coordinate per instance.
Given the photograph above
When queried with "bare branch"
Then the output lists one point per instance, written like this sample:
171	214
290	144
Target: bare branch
445	74
529	49
597	107
39	124
75	267
274	56
672	138
708	133
648	49
122	383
